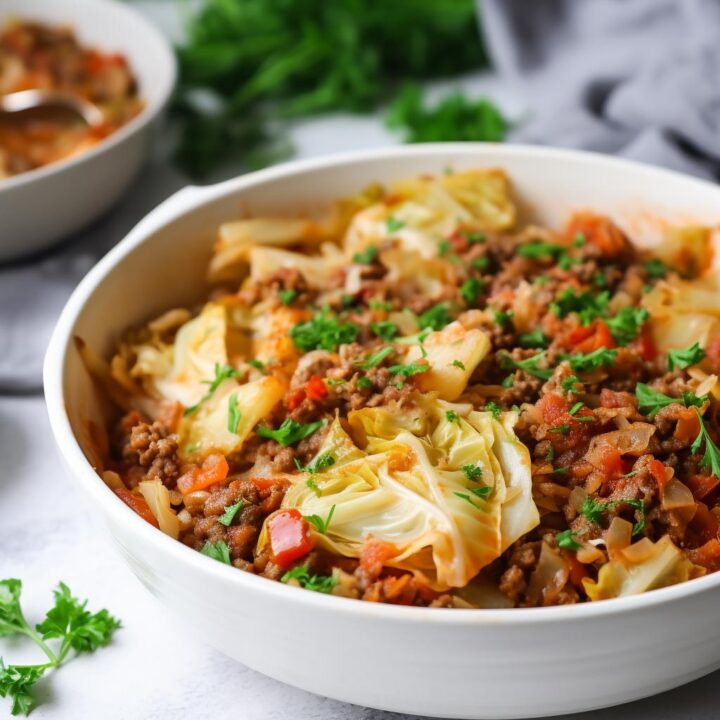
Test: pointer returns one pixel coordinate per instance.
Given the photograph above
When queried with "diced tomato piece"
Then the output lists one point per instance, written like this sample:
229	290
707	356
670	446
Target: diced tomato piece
688	425
702	485
580	333
645	345
659	473
138	504
214	470
703	527
713	354
577	570
290	537
599	231
553	408
591	338
708	556
374	554
316	388
294	398
609	459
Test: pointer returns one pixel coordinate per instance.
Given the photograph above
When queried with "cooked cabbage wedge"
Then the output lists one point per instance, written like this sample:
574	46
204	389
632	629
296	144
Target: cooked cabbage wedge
449	487
177	372
216	426
643	566
453	354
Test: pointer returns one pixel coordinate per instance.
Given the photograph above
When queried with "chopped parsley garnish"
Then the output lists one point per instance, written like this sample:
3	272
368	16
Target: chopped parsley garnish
481	492
310	482
290	431
335	381
472	472
321	525
393	224
599	279
681	359
588	305
322	462
471	290
711	457
508	380
413	368
68	621
503	318
538	250
565	262
452	416
222	373
579	240
534	339
568	384
365	383
494	408
626	324
583	362
651	401
576	407
566	541
474	238
316	583
655	269
375	359
550	454
481	263
323	332
593	510
231	511
367	256
385	329
639	505
257	364
217	551
375	304
458	364
528	365
437	317
562	429
444	247
560	471
234	414
541	280
287	296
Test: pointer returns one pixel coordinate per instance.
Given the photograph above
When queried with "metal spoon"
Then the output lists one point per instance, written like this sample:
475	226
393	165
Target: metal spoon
18	102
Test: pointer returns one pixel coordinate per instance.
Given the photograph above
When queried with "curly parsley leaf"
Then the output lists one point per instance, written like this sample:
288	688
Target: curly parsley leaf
318	464
222	373
529	365
437	317
291	431
583	362
472	472
493	408
287	296
711	457
321	525
651	401
567	541
323	332
655	269
367	256
681	359
534	339
471	290
217	551
317	583
230	513
67	621
626	324
385	329
587	305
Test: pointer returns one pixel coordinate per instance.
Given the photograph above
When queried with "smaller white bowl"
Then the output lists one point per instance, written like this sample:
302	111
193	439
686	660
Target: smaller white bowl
45	205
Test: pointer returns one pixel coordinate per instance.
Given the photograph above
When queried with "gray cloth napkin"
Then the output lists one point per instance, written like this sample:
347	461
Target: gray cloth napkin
637	78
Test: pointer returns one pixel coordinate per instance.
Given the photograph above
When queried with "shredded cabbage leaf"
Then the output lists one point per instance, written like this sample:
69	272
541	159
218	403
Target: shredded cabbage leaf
646	567
401	476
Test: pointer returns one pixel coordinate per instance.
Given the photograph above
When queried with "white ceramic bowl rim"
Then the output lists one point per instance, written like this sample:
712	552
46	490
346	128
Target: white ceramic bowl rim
148	113
194	197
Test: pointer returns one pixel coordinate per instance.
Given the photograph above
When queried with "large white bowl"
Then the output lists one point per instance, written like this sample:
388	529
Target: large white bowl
458	663
45	205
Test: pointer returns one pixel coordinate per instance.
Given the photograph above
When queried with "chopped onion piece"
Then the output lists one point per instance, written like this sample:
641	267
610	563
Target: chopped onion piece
618	536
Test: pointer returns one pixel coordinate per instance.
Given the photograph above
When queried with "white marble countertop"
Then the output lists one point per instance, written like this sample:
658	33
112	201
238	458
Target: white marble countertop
153	670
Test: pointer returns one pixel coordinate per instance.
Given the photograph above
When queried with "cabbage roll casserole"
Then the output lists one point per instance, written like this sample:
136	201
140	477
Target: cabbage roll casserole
34	56
409	399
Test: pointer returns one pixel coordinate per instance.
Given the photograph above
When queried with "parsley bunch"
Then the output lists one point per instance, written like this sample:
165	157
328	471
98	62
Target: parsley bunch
67	621
263	60
324	332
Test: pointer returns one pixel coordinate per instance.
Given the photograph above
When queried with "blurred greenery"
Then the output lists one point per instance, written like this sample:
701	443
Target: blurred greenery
249	65
455	117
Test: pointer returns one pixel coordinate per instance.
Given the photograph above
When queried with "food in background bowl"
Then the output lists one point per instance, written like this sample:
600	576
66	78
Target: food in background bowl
34	55
410	400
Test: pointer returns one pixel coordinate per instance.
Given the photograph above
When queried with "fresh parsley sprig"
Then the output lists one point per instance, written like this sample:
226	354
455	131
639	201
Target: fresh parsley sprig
321	525
317	583
323	332
290	432
711	457
68	621
222	373
529	365
651	401
684	358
